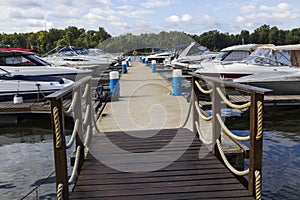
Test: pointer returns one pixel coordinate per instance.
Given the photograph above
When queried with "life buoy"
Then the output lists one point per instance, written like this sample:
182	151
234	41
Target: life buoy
134	53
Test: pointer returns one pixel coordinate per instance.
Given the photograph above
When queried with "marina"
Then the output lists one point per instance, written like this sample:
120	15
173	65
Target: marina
158	133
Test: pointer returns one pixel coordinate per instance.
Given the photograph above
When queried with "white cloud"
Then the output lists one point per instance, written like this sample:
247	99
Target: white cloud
240	19
206	17
177	19
186	17
247	9
156	3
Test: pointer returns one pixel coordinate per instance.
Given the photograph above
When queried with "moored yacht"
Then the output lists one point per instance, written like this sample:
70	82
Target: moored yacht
264	59
29	64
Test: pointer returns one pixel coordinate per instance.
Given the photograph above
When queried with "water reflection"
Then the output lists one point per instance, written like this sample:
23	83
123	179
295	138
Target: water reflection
26	152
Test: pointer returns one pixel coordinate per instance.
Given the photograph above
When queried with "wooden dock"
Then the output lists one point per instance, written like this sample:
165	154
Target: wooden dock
143	153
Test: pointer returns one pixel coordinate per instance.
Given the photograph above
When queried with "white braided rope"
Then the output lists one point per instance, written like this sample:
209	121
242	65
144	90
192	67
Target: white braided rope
257	185
201	114
86	90
76	163
228	132
59	191
203	140
246	105
87	113
201	89
74	133
259	120
56	120
229	166
72	105
88	134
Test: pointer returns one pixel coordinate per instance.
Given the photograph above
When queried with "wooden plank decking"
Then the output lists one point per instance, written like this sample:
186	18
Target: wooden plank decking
189	177
143	154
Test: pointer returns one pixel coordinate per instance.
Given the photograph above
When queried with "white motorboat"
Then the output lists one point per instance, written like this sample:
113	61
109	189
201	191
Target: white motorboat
264	59
29	87
194	53
29	64
159	57
281	82
81	58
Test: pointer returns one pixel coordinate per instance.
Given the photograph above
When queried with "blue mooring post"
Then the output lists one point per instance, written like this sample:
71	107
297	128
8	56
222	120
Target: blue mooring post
127	62
177	82
143	60
123	67
153	63
114	84
146	62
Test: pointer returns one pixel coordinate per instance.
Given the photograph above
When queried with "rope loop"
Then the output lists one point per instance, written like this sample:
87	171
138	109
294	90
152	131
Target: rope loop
57	127
74	171
259	120
188	115
206	118
87	113
74	133
86	90
203	140
257	185
229	166
228	132
202	89
59	193
246	105
72	105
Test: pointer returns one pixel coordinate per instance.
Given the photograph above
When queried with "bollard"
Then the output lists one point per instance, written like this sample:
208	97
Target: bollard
143	60
114	84
153	63
146	62
177	82
127	63
124	67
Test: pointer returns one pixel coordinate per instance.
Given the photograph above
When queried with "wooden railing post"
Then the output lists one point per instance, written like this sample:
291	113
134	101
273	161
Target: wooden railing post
194	98
216	109
256	140
59	146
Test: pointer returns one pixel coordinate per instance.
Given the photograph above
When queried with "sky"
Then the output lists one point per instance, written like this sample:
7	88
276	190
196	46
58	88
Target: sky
119	17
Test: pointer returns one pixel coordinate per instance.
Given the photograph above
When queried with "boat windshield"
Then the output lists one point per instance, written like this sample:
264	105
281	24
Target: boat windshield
20	59
269	57
231	56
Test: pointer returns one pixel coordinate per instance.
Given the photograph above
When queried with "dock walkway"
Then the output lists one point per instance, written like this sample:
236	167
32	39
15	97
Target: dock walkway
143	153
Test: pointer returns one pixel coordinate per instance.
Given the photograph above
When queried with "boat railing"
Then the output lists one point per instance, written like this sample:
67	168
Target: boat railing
81	109
214	90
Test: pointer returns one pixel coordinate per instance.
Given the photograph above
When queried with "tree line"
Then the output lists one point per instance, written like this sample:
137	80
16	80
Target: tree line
47	41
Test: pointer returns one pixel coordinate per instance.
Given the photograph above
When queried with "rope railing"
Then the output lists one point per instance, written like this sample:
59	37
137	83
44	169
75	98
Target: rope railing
228	132
201	137
218	98
202	89
86	91
206	118
81	122
246	105
227	163
74	133
74	170
87	114
71	107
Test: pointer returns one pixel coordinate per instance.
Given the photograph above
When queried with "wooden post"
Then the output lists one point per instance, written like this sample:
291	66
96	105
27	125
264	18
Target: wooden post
59	146
216	109
195	116
256	139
